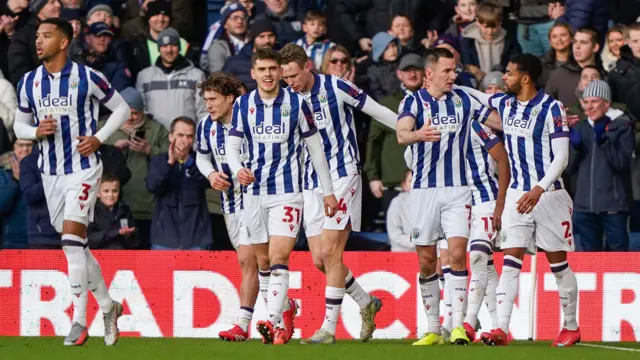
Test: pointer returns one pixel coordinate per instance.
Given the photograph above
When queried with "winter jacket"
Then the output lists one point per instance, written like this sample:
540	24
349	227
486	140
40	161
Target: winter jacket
13	212
216	56
181	219
134	21
8	105
113	162
23	18
145	52
135	192
288	26
382	79
587	13
116	72
603	168
549	64
563	82
104	231
488	56
170	93
40	231
22	51
532	11
456	30
625	81
240	67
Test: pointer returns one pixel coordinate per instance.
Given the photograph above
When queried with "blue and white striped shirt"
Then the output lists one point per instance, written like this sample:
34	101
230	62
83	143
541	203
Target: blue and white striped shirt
315	51
481	170
212	136
529	128
72	97
273	130
332	100
441	163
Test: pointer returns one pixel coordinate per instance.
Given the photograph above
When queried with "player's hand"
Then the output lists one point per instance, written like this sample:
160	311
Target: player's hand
218	180
127	231
140	145
245	176
428	133
46	127
88	145
376	188
330	205
497	215
572	119
529	200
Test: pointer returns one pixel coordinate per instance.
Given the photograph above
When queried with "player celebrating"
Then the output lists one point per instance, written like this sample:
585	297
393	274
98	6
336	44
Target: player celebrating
219	92
538	208
272	121
332	100
436	121
61	95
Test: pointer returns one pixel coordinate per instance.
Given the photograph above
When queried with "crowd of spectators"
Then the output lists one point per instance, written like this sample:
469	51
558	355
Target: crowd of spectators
154	52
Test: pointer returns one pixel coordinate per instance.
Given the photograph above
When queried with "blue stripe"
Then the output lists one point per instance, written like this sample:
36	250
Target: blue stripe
490	176
467	118
83	90
326	141
432	175
275	153
476	177
334	110
555	268
512	112
451	138
294	153
261	150
243	108
537	138
512	263
53	164
66	127
522	150
419	153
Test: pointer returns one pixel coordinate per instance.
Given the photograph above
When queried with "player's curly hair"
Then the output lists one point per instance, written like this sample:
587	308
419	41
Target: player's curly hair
221	83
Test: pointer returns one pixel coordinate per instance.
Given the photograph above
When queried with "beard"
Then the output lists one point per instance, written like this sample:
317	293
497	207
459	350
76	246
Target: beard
513	90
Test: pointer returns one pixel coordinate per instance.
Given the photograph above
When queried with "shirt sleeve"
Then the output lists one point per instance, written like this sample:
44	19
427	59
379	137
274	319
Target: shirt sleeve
237	124
408	107
100	87
306	120
556	121
480	112
23	99
351	94
203	144
487	136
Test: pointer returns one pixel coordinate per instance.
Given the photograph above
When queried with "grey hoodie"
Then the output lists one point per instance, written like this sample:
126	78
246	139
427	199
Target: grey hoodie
489	52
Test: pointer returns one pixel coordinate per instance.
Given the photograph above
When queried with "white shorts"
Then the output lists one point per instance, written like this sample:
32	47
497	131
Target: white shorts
237	229
482	231
272	215
348	192
548	226
442	244
73	196
445	210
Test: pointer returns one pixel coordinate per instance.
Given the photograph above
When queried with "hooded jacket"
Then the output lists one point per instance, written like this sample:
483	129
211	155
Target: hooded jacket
625	81
491	55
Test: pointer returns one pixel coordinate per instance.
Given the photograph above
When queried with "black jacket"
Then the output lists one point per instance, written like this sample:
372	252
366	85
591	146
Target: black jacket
603	169
22	51
104	231
625	81
113	162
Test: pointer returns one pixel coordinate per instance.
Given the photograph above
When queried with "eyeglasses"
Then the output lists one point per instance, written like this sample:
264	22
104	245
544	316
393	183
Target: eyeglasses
238	17
342	61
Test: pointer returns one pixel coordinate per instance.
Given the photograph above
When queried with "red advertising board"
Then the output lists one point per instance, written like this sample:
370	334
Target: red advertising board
196	294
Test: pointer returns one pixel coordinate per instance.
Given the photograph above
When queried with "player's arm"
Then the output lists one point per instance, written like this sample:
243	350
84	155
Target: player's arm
23	125
408	111
499	154
484	111
484	99
233	144
408	157
355	97
203	151
111	99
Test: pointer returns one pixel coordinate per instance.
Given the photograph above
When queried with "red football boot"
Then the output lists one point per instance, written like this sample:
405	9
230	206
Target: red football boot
471	332
288	318
280	337
234	334
496	337
266	330
567	338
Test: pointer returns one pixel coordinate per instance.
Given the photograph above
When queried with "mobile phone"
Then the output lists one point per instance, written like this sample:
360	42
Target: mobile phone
140	133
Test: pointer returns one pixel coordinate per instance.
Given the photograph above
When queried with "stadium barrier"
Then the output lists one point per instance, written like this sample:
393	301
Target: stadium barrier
195	294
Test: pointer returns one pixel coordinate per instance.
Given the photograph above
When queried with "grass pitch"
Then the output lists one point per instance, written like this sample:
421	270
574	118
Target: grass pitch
50	348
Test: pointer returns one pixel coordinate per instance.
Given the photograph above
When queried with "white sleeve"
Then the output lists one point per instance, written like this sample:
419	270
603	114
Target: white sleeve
408	157
484	99
203	162
394	225
120	113
232	147
23	126
380	113
560	149
320	165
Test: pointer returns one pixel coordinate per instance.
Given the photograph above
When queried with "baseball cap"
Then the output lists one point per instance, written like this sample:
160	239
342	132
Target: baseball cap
410	61
100	28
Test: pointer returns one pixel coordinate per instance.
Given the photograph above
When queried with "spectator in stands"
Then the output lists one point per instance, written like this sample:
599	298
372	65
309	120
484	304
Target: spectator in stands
492	83
337	61
588	74
602	149
71	4
41	234
181	218
13	208
314	41
592	14
13	16
136	15
486	46
144	47
535	19
398	223
402	29
139	139
235	20
22	51
8	105
465	16
385	57
169	86
384	164
113	226
616	38
287	22
99	55
625	78
560	37
563	81
73	16
261	35
100	13
451	43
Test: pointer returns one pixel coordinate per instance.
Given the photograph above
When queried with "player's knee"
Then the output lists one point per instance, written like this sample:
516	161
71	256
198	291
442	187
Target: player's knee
478	258
458	257
427	262
278	259
318	262
75	255
247	261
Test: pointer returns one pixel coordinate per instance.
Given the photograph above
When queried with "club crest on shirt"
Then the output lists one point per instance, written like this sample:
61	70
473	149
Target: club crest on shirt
322	96
415	234
457	102
285	110
535	112
73	83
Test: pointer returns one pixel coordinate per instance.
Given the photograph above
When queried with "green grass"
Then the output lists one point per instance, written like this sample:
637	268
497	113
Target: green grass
213	349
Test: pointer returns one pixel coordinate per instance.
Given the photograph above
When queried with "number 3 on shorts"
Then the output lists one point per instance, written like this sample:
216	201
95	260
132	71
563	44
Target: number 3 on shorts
288	215
84	194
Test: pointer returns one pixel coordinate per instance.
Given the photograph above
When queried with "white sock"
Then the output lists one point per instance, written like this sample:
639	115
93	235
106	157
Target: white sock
263	280
458	292
278	288
77	274
80	308
96	283
244	317
333	301
430	292
490	294
353	289
568	291
508	290
477	285
448	312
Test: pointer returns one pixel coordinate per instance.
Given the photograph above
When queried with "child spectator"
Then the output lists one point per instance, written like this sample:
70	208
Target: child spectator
314	41
465	16
385	55
485	44
398	224
113	227
402	28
